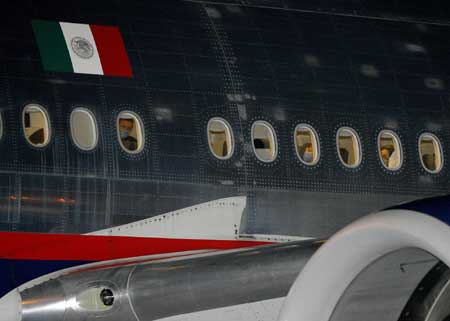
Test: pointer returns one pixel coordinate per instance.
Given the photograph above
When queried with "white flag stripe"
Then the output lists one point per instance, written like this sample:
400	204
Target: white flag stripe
88	62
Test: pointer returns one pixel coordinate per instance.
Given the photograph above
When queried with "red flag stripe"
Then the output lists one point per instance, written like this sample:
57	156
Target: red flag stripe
70	247
111	49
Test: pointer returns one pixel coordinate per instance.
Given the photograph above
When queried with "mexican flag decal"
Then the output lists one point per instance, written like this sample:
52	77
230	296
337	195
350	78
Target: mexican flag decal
81	48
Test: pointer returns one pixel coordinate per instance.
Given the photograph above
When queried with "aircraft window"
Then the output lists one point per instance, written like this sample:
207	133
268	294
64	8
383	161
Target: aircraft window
83	128
306	144
220	138
390	150
264	141
36	125
349	147
430	152
130	132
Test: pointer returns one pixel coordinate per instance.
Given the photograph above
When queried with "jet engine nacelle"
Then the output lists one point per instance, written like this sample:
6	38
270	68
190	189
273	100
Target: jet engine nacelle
160	288
376	269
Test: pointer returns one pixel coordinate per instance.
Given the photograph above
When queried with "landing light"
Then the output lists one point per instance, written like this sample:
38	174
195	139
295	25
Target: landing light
107	297
96	299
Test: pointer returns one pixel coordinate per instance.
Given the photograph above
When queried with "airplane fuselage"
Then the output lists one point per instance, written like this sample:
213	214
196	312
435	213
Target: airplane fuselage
364	85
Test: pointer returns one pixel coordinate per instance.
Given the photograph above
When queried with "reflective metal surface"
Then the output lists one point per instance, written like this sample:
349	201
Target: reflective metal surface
155	290
47	303
429	301
381	291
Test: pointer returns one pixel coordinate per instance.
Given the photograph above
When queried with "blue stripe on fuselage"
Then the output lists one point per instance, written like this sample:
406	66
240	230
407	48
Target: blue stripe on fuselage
14	273
438	207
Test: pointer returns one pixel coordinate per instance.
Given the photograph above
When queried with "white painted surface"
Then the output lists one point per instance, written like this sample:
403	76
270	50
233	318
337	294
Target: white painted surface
218	220
335	265
90	65
266	310
10	307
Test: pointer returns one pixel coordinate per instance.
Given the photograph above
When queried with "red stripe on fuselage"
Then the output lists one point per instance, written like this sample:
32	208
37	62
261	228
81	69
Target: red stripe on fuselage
111	49
70	247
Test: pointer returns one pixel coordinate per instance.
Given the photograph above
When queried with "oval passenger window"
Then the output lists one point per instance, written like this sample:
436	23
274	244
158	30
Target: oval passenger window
83	128
430	152
130	132
349	147
264	141
220	138
36	125
390	150
306	144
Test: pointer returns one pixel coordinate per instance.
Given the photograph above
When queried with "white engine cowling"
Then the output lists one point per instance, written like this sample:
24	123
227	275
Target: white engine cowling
370	269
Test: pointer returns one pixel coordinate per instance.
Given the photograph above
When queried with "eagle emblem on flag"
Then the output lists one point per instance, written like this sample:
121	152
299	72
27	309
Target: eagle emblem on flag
82	47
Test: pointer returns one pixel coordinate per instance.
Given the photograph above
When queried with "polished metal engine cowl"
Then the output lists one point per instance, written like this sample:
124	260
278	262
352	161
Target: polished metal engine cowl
149	291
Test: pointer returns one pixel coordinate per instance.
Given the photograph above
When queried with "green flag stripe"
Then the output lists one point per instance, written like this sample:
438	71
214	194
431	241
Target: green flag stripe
52	46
